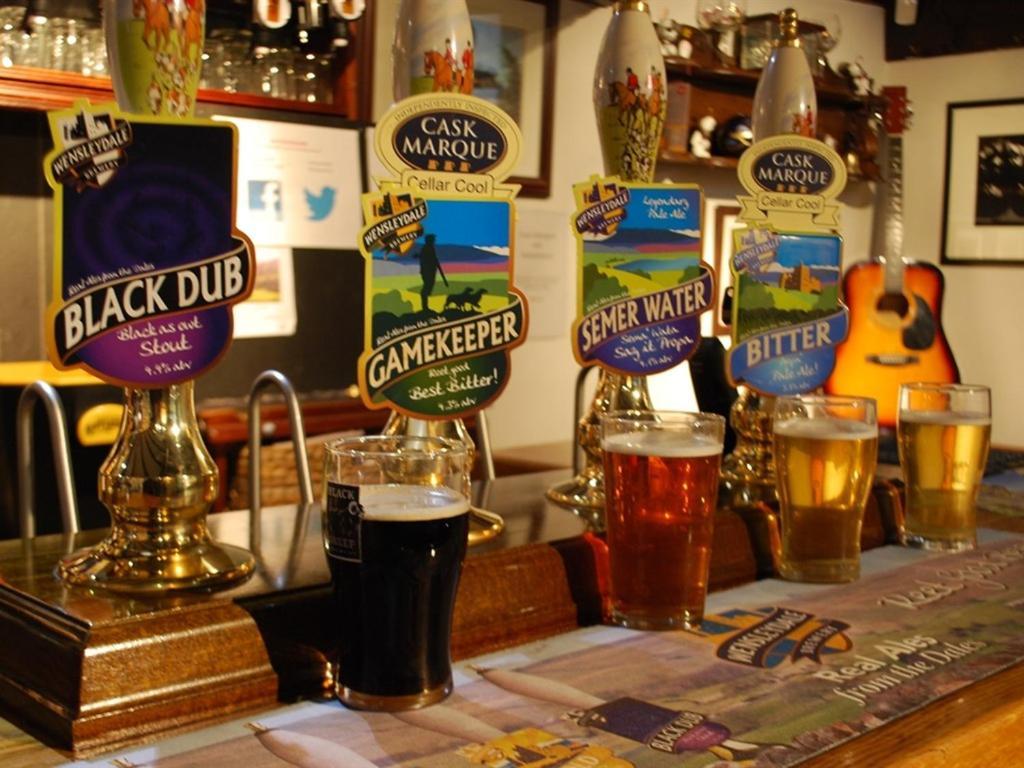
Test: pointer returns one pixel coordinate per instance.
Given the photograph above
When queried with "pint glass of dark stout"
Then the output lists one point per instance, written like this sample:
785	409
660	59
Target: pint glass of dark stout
826	448
943	432
661	485
396	519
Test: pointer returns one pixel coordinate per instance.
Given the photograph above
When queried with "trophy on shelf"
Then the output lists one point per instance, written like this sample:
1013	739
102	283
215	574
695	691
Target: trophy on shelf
441	310
148	264
629	102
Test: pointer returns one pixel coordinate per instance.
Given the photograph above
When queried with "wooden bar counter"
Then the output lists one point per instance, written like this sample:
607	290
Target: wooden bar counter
542	576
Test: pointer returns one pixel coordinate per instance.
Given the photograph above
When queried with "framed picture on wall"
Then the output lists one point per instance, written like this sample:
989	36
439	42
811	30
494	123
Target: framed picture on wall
983	210
514	68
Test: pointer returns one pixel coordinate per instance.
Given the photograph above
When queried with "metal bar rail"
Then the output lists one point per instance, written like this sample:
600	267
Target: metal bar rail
40	391
264	381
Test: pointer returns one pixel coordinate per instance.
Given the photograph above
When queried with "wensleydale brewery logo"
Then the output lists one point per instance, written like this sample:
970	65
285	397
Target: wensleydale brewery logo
606	207
642	285
766	637
397	226
92	147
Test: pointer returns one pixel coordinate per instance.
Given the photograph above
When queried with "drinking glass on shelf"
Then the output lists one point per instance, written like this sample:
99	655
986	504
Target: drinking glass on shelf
311	75
94	51
826	448
943	432
661	485
724	17
275	69
13	37
396	521
230	61
827	38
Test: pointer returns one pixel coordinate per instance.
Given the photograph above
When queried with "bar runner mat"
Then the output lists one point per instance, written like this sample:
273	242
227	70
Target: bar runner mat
777	674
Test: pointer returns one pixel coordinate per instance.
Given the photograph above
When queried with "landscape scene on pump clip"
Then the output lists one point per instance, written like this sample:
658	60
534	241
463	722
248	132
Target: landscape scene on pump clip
799	285
641	254
458	267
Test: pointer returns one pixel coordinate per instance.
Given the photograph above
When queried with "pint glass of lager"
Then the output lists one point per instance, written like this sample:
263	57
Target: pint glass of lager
661	485
396	518
826	449
943	432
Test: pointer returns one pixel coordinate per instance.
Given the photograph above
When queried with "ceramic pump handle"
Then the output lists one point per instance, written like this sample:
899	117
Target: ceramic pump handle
155	49
433	48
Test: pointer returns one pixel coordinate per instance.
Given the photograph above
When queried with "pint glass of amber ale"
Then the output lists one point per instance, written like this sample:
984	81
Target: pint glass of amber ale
943	432
826	448
396	518
661	485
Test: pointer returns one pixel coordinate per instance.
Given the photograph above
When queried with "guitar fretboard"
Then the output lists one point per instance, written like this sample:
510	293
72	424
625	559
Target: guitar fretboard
894	218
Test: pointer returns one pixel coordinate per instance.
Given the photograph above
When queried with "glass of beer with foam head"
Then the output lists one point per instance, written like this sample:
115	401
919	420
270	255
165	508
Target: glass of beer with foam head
943	432
396	519
661	484
826	448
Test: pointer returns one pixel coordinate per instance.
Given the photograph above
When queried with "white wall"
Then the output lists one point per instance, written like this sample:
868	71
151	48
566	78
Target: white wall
982	306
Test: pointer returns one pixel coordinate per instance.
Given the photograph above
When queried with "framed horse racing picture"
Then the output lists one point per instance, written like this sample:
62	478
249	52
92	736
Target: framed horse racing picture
514	68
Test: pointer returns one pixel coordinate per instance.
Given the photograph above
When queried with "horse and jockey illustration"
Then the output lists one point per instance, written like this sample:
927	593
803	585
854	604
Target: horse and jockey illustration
448	73
632	115
173	33
631	100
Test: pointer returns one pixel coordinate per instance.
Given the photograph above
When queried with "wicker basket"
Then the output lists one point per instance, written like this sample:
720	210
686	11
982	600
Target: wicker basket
279	478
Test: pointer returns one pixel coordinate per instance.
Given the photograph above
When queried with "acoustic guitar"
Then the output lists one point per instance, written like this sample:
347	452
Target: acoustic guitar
895	306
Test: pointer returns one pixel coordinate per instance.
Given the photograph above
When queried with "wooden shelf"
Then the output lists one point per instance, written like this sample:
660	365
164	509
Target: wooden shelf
44	89
830	89
724	92
685	158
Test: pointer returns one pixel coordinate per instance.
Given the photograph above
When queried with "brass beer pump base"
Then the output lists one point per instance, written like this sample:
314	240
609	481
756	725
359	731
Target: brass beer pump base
748	478
484	525
584	494
116	567
159	483
748	473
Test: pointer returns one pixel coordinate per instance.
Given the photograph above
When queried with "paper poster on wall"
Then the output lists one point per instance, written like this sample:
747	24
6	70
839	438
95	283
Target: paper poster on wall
542	272
270	309
298	185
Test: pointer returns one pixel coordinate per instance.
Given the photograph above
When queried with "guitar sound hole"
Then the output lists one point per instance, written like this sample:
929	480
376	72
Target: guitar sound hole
894	302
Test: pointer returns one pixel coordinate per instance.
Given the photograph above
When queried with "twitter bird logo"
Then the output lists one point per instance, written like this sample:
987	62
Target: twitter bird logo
320	205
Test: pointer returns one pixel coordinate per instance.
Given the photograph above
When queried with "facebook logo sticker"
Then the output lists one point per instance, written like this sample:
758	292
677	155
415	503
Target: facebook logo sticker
265	196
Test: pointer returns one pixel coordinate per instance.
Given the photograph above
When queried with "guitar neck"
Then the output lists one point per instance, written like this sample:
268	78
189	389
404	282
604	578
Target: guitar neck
892	217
